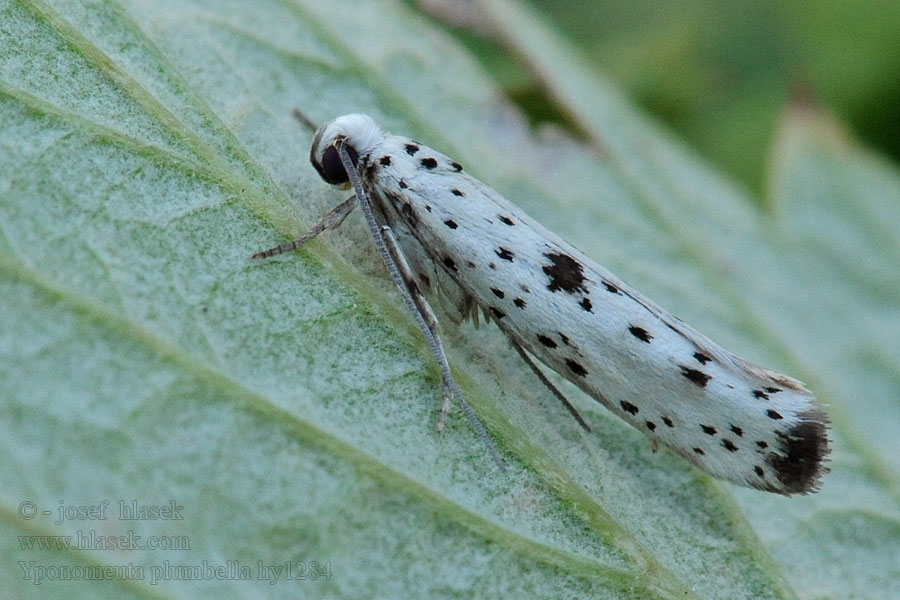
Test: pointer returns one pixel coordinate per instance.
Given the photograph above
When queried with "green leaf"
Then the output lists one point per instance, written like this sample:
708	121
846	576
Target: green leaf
288	406
720	73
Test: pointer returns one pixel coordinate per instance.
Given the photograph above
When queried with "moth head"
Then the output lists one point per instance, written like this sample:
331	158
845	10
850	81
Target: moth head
359	134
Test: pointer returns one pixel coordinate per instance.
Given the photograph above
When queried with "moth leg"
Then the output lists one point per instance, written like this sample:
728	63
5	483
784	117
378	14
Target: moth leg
432	339
424	309
572	410
332	220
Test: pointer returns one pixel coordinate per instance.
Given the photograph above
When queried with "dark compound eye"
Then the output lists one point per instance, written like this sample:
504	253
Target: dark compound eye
332	169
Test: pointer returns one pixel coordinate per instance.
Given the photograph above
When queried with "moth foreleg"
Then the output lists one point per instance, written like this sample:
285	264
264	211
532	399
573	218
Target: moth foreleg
572	410
433	342
424	309
332	220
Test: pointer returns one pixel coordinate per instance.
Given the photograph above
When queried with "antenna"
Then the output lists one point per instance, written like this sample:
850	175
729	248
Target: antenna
305	121
433	343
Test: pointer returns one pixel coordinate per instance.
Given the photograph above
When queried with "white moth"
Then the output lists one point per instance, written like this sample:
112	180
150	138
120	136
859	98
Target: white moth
437	227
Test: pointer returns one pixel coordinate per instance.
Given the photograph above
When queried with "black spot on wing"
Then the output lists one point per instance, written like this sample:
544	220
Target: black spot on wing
762	444
729	445
611	288
760	394
698	377
385	161
708	429
471	264
774	415
773	390
565	273
759	471
428	163
798	462
576	368
506	220
456	166
403	185
585	304
629	407
497	292
505	254
519	302
563	337
498	314
737	431
650	425
449	263
701	358
640	333
546	341
411	149
456	192
668	422
698	451
451	224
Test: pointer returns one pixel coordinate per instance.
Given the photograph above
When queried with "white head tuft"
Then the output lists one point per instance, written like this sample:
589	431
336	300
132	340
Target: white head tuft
359	134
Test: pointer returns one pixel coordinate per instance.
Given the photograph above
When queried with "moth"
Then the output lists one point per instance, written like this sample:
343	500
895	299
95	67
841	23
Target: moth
438	228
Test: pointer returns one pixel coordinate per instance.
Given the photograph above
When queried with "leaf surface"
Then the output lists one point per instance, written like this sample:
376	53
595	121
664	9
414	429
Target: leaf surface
288	405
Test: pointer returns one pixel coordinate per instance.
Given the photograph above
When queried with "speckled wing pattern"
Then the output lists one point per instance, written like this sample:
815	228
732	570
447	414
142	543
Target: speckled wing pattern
733	419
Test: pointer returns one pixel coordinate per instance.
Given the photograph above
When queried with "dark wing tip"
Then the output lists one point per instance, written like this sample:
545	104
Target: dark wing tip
801	453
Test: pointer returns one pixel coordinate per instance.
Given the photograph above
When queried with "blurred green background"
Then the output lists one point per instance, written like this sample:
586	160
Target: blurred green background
721	73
